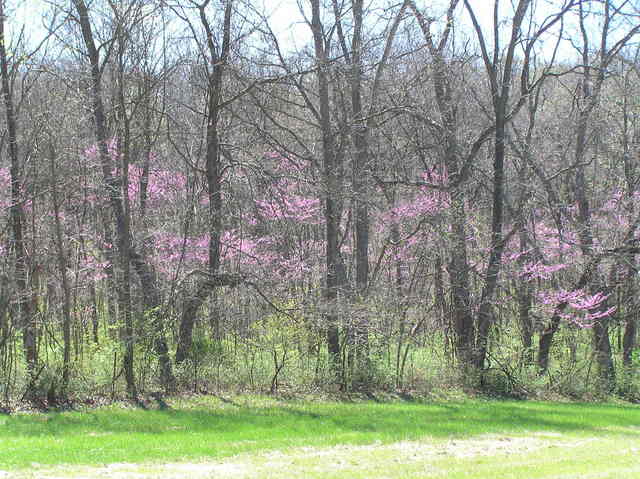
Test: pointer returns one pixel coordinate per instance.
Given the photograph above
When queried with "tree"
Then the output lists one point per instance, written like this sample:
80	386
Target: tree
22	266
588	97
215	53
500	73
114	189
363	114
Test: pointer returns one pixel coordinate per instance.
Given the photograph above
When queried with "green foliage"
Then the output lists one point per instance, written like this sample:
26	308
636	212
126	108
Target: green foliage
283	336
203	364
281	331
285	351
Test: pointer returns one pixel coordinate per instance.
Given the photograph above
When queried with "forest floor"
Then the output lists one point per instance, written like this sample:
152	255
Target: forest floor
263	437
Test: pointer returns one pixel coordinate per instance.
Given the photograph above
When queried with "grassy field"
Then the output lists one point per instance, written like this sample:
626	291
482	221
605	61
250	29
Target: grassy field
265	437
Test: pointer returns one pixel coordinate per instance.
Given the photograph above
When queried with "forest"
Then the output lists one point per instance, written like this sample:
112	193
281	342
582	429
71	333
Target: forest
400	196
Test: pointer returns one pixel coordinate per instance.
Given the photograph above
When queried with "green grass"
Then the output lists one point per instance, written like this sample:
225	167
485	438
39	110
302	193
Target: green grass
210	428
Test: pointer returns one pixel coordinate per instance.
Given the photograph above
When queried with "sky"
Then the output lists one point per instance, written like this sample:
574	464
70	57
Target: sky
284	14
288	23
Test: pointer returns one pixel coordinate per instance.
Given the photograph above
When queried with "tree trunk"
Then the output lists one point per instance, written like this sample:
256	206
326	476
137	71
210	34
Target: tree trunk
629	339
360	183
604	358
458	266
460	287
500	75
25	306
331	199
485	313
214	182
545	341
524	317
62	264
146	274
546	336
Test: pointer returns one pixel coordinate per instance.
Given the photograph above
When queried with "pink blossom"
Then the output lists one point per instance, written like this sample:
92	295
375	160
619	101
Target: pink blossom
541	271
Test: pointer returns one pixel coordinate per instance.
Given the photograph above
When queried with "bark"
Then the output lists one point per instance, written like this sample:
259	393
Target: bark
524	290
631	178
191	307
360	182
458	269
524	317
331	194
124	285
4	308
62	265
523	287
95	325
604	357
629	339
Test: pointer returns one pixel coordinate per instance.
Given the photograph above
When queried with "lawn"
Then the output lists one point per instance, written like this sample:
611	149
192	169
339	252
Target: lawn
249	436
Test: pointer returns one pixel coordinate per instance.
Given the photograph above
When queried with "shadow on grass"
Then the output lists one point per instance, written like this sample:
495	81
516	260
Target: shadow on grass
215	430
397	420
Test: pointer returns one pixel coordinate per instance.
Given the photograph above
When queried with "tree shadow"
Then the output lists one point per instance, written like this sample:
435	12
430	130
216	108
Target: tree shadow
369	420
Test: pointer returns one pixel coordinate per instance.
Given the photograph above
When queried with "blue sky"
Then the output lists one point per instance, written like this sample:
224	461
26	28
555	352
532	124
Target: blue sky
287	21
